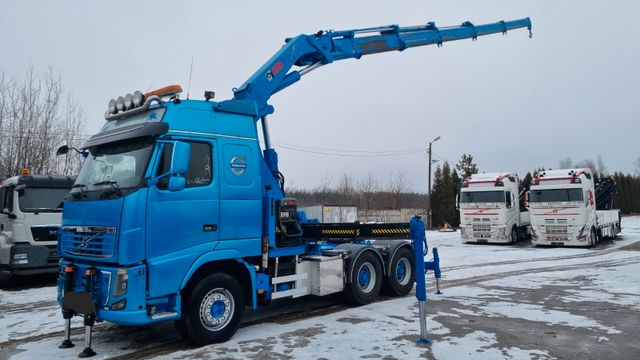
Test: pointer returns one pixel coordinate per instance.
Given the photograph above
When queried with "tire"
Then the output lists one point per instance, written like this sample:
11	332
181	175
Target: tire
514	235
593	237
402	273
212	311
366	279
6	278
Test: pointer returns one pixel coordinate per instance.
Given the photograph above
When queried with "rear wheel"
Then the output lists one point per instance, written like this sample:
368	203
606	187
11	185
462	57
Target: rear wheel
366	279
402	273
213	311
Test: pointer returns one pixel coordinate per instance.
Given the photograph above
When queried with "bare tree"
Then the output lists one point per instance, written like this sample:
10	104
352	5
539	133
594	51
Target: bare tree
346	189
33	124
565	163
637	165
587	163
367	187
397	186
602	170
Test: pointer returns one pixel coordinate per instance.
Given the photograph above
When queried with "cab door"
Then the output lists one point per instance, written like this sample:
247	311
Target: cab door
181	225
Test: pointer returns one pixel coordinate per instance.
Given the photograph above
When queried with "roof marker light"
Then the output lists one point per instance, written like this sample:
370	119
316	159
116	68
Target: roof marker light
165	91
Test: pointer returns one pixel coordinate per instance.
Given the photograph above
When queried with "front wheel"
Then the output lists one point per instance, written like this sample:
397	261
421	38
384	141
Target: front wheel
514	235
213	310
593	237
366	279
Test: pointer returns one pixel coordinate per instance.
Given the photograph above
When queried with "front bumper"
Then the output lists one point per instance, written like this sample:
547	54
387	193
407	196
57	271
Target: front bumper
497	235
135	305
27	259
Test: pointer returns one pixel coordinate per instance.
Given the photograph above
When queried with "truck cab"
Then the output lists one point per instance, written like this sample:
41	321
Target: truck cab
29	222
490	210
564	211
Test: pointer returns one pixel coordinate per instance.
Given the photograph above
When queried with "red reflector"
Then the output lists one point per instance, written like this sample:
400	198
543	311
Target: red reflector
275	69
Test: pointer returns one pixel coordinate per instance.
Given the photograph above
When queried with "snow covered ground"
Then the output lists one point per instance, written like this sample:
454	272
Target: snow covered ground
511	302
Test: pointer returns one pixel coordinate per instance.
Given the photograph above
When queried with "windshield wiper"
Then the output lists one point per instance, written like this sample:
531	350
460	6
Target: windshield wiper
114	186
80	187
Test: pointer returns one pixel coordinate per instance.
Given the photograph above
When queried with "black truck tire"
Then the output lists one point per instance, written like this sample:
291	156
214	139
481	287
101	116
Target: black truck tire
366	279
514	235
402	273
212	311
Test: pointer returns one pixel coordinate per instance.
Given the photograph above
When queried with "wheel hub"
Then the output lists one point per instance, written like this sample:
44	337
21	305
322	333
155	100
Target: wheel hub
216	309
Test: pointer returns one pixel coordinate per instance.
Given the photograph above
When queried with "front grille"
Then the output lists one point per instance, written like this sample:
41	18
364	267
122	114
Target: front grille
481	230
557	232
92	241
44	233
53	257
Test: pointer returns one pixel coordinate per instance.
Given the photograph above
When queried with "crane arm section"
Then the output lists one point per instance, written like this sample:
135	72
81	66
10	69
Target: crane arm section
309	52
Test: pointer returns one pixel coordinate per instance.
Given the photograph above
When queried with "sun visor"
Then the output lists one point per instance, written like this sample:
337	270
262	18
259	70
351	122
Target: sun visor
127	132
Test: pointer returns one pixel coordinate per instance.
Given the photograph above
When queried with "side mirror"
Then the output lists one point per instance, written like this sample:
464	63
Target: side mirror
526	199
180	159
62	150
177	183
180	155
457	202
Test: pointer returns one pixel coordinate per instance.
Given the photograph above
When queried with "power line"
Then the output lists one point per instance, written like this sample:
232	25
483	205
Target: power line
352	155
350	151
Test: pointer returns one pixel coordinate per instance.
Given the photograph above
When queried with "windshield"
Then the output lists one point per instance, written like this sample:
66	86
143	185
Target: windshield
114	166
556	195
482	197
42	199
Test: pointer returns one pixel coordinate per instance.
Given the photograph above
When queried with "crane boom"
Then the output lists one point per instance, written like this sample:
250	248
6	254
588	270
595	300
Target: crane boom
309	52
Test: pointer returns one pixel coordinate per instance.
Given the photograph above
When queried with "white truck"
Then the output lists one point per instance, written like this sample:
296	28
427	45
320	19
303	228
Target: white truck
30	214
568	209
491	210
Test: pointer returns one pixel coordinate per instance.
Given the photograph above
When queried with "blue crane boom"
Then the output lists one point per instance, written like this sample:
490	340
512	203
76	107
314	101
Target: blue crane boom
312	51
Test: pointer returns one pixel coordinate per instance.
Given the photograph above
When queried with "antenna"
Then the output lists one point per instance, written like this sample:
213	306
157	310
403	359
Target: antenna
190	74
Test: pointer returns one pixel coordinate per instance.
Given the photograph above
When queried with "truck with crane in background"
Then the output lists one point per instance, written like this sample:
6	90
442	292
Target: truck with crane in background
491	210
178	213
569	208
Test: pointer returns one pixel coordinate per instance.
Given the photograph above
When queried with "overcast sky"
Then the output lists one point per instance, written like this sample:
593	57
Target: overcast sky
514	103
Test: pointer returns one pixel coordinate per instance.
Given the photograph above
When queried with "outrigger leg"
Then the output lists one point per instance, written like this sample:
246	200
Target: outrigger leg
67	314
89	320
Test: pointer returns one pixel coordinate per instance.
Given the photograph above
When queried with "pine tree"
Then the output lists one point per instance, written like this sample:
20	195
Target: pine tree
437	216
466	166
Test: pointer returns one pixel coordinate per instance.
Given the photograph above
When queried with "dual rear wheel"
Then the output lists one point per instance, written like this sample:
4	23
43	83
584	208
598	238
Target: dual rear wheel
368	278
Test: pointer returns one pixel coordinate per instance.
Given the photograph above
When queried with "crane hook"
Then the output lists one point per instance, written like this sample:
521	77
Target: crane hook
530	33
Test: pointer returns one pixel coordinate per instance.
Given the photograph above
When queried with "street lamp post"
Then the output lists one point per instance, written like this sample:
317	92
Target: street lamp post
429	186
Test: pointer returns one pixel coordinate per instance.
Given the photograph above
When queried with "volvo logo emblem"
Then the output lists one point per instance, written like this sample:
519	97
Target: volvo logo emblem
238	165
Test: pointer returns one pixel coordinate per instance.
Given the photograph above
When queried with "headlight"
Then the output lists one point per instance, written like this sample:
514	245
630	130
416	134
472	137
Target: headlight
121	284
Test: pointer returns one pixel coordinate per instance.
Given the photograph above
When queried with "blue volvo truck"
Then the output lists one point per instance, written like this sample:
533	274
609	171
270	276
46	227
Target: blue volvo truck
179	211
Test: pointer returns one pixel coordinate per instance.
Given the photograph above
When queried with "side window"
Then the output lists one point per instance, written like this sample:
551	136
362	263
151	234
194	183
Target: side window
200	165
7	199
199	173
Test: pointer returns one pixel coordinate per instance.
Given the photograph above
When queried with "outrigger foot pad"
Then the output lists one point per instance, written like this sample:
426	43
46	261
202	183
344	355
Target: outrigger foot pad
66	344
86	352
